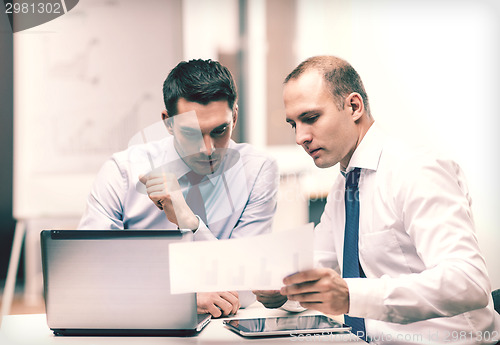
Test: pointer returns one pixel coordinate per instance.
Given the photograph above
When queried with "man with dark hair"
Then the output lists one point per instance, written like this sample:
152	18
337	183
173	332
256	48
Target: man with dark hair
200	81
395	247
196	178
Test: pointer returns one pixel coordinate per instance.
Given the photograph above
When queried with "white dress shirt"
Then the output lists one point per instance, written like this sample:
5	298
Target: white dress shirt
426	279
240	197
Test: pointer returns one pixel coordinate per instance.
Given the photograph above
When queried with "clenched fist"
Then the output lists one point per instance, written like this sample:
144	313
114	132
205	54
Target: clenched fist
165	192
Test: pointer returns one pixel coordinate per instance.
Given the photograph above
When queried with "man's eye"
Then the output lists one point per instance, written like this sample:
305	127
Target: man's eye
311	119
219	132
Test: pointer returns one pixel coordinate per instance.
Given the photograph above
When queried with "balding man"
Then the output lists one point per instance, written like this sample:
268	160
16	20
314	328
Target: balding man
396	245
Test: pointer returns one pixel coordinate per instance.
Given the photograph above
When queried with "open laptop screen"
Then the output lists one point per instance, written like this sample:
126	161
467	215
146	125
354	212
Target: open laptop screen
113	280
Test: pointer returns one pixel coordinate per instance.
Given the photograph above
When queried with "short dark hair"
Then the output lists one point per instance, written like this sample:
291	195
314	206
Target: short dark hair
200	81
341	78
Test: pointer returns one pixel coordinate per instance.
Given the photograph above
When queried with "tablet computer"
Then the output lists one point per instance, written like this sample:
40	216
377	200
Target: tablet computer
286	325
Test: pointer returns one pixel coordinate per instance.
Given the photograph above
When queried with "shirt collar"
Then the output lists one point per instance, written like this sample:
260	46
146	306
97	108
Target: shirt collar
367	154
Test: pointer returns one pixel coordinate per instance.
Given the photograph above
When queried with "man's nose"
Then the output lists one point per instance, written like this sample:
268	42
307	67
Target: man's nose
302	134
207	146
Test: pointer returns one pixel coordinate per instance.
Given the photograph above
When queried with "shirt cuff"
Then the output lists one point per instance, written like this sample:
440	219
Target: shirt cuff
199	224
366	297
203	233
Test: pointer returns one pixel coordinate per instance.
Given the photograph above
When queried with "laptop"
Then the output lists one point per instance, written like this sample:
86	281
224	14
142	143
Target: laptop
107	282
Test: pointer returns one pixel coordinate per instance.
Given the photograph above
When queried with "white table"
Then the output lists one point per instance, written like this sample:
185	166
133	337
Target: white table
33	330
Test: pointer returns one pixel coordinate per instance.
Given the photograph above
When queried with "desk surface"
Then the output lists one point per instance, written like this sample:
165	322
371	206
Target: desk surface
33	330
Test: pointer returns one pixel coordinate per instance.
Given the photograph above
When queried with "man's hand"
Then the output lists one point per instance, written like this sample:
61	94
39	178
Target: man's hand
320	289
164	191
270	298
218	303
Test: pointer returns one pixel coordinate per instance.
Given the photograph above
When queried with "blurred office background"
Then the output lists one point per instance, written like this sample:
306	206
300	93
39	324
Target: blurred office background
76	89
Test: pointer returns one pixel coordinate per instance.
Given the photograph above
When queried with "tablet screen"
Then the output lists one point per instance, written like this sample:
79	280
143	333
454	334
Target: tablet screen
285	325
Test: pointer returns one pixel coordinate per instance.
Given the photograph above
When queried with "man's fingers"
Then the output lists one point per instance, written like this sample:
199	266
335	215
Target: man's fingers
304	276
160	177
217	304
305	282
151	180
156	189
212	309
224	306
313	297
237	305
321	289
300	288
232	298
156	181
315	306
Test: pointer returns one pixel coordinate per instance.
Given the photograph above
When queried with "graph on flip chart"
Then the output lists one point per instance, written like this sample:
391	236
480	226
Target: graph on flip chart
84	84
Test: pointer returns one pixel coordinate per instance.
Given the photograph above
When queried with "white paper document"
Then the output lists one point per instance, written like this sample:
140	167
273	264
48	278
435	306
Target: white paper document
251	263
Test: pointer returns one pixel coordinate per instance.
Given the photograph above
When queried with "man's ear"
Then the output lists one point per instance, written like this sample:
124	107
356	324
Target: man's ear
235	115
168	120
355	102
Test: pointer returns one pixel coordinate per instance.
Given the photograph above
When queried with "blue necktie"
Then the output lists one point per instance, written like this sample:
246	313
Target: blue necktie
351	266
194	199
